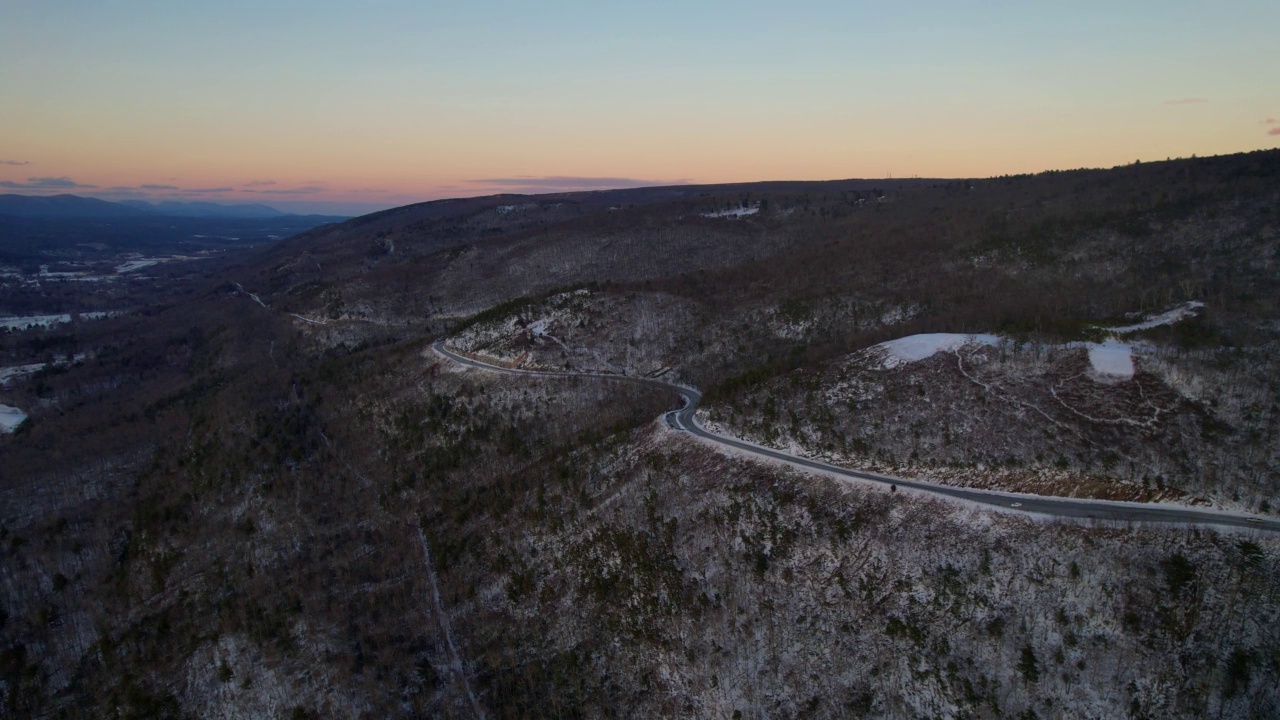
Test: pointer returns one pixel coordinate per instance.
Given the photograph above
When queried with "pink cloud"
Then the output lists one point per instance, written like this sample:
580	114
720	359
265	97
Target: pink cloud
1274	131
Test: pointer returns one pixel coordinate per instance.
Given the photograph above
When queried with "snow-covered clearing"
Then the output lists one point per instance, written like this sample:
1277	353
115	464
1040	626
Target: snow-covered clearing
1111	358
10	418
913	348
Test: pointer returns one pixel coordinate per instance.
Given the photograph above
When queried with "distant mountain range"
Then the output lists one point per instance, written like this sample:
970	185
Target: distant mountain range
74	206
173	208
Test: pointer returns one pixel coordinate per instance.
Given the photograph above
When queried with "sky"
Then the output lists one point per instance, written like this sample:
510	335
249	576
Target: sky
347	107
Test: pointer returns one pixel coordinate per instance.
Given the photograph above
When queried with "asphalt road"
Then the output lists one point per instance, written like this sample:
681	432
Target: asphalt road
1102	512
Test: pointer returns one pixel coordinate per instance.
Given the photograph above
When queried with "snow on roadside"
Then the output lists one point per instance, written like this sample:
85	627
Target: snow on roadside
10	418
913	348
907	477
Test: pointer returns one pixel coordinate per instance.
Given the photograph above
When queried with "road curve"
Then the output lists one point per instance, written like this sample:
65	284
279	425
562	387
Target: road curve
1099	511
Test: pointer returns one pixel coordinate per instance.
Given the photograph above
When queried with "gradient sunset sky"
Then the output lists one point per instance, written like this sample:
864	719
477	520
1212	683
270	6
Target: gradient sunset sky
350	107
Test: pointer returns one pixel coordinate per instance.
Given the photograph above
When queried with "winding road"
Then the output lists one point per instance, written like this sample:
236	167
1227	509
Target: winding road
1089	511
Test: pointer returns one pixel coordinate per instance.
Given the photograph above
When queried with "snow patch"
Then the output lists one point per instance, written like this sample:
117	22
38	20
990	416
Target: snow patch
7	373
1182	312
1109	359
913	348
132	265
1112	358
10	418
732	212
33	321
27	322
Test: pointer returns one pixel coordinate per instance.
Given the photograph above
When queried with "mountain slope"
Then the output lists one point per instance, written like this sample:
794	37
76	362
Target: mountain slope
270	497
64	206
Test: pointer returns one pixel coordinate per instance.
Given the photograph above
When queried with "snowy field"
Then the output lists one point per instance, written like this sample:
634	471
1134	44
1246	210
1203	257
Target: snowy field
27	322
